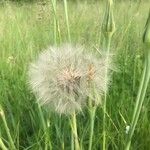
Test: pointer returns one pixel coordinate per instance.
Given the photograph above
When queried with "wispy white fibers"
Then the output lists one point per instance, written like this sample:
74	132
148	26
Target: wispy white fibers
63	77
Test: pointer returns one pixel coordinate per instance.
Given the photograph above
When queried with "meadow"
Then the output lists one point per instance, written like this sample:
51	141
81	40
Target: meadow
26	29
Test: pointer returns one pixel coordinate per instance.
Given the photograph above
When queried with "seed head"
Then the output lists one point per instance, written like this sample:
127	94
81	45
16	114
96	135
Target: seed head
63	77
108	26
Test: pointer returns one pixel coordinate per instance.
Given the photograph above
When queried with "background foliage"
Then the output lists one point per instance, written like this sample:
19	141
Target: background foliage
25	30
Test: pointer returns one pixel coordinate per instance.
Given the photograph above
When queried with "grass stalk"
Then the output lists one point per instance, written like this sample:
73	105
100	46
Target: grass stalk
7	129
67	20
56	23
47	139
2	145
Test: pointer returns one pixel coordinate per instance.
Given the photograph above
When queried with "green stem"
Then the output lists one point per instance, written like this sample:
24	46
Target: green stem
67	20
56	23
140	99
139	94
92	119
74	131
47	139
7	131
108	41
72	141
2	146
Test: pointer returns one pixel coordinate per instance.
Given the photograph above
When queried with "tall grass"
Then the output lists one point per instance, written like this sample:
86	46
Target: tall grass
23	35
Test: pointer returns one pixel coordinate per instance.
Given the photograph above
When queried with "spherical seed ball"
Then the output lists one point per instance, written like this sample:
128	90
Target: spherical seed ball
62	78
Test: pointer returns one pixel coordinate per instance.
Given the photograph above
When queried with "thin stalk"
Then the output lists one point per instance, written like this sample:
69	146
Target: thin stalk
140	99
2	145
108	41
56	23
72	141
92	119
7	130
92	111
139	94
108	29
74	131
45	129
67	20
144	82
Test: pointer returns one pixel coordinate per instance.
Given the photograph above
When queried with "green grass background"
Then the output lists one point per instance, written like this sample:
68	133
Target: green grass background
28	28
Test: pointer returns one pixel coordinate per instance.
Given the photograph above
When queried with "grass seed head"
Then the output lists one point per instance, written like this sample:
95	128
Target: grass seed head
108	25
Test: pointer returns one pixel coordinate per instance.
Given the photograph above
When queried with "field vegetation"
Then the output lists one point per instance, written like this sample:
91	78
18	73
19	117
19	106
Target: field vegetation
26	29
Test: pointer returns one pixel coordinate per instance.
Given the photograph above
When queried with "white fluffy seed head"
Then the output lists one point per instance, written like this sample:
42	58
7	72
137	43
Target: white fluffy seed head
62	78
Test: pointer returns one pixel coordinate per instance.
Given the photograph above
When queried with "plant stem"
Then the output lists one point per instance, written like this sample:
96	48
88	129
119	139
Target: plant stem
140	98
67	20
47	138
139	93
108	41
72	141
92	119
74	131
2	146
7	130
56	23
108	28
